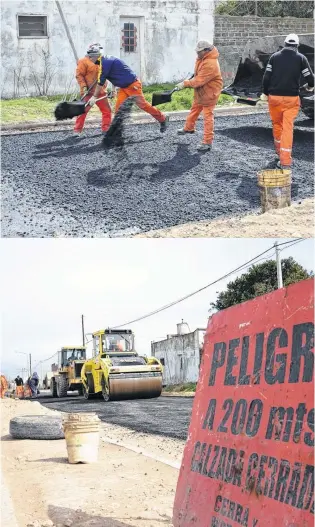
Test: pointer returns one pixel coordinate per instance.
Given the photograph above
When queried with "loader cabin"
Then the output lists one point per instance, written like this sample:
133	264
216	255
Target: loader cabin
69	354
113	342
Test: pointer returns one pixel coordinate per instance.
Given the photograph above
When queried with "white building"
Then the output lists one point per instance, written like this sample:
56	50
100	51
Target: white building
41	40
180	354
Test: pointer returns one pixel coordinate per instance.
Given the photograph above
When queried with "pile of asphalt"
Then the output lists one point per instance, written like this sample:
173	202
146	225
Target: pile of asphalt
57	185
166	416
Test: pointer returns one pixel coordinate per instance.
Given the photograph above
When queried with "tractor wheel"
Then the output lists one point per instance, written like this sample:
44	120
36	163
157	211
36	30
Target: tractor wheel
53	387
62	386
105	390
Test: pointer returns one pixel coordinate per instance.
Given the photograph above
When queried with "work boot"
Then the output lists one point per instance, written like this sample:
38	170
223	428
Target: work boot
182	131
204	147
164	124
284	167
79	135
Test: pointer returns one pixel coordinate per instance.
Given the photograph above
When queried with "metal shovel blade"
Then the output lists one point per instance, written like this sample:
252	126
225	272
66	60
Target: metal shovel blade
68	110
162	98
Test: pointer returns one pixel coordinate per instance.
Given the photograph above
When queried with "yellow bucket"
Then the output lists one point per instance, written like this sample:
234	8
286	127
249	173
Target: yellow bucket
275	188
82	434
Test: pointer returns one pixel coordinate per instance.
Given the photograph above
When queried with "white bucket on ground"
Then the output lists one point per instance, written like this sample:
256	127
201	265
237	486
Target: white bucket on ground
82	433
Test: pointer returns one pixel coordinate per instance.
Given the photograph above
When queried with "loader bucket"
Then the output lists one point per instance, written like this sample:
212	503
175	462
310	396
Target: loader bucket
247	84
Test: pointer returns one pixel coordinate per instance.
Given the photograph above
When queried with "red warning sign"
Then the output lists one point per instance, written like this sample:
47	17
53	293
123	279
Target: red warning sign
248	460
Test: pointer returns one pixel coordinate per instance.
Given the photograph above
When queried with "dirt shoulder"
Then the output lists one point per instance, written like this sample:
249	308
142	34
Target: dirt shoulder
133	483
295	221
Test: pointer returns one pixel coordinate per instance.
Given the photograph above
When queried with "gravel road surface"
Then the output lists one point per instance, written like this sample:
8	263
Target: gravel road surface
167	416
56	185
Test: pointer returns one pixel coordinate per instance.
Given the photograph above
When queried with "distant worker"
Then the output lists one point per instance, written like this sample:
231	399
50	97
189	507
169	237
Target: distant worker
33	382
86	75
3	385
19	390
122	77
281	83
207	84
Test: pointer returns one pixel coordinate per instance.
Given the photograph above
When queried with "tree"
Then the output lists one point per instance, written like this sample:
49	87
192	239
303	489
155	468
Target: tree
295	8
259	280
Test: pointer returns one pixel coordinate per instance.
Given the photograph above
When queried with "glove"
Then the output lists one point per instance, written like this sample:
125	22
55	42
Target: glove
180	86
263	97
111	94
309	88
92	101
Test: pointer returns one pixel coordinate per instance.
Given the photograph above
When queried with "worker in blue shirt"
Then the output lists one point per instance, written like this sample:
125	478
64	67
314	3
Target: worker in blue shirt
121	76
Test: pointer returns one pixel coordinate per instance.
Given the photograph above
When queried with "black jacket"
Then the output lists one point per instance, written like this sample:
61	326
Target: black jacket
283	72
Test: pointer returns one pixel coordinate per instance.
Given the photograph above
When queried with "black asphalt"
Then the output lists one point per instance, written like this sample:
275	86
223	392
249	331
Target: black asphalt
166	416
56	185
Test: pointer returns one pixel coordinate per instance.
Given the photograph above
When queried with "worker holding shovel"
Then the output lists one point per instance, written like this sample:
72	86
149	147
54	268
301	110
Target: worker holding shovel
207	84
120	75
86	75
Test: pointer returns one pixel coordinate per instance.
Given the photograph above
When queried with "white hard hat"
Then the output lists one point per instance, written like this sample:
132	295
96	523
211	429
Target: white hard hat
203	44
292	39
94	50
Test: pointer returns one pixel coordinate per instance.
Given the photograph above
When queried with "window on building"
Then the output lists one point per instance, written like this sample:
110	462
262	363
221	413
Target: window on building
129	37
32	26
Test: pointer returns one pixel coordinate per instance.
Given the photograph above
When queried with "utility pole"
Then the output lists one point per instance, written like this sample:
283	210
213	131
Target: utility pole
279	268
83	333
30	364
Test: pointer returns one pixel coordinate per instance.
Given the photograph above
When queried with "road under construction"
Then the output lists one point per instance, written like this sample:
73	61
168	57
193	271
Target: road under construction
55	185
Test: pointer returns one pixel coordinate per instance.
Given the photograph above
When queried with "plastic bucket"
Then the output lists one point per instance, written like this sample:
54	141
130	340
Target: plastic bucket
82	434
274	188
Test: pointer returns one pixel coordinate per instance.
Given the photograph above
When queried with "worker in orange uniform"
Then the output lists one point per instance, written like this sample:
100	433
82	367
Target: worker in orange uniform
281	83
121	76
207	83
3	386
87	75
19	391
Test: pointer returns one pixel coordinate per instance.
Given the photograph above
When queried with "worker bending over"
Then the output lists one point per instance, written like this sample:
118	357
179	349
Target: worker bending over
207	84
87	75
120	75
281	83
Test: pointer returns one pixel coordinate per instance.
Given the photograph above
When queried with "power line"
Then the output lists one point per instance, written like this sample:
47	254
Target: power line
289	243
171	304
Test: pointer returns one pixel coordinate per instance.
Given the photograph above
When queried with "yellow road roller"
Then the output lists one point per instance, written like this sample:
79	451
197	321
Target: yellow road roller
116	371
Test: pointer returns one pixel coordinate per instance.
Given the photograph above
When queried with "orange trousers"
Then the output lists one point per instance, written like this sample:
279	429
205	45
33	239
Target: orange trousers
283	112
19	392
106	112
208	117
135	90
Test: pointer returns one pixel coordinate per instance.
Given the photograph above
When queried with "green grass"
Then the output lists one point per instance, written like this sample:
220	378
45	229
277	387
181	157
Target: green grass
182	388
42	108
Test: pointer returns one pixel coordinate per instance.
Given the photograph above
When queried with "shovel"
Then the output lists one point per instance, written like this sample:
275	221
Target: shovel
68	110
166	96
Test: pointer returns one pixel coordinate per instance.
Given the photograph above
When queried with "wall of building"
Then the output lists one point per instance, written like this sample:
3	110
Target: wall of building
181	354
231	33
169	30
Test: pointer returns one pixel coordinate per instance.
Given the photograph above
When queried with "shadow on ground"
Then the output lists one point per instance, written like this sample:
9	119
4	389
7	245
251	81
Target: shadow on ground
173	168
82	519
262	137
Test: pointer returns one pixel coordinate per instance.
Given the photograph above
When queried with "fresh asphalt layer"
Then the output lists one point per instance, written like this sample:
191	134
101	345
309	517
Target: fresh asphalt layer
166	416
56	185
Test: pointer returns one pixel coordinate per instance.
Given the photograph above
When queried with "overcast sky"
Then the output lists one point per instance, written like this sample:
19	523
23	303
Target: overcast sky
48	284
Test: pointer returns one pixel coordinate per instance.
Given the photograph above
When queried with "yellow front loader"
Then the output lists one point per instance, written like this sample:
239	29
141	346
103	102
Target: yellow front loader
116	371
68	376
